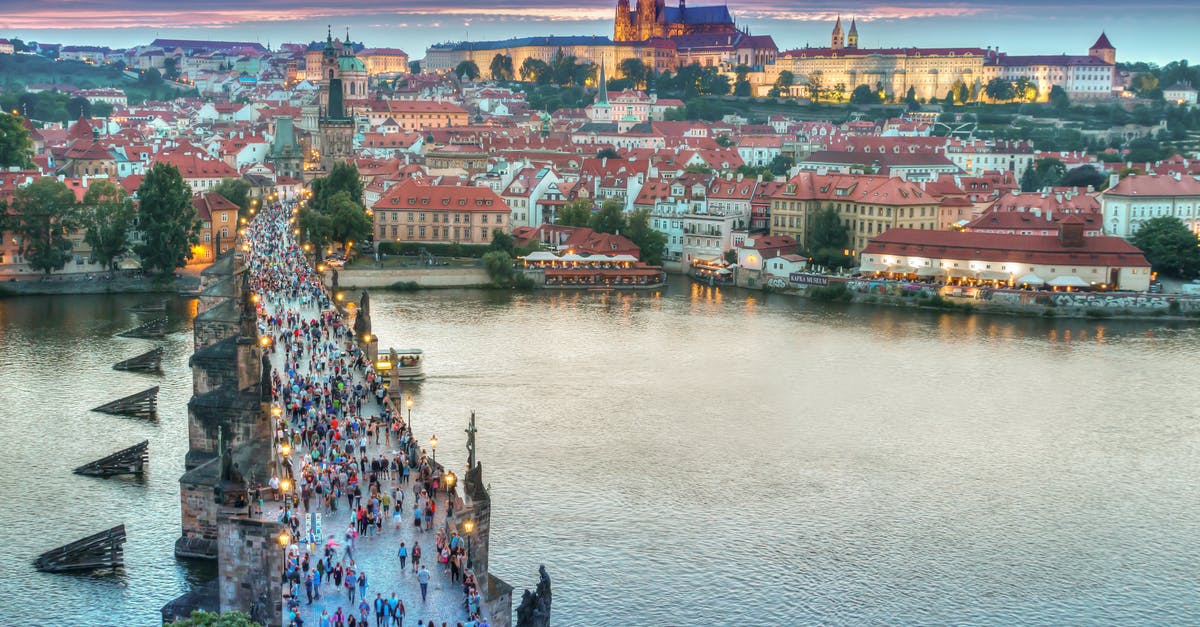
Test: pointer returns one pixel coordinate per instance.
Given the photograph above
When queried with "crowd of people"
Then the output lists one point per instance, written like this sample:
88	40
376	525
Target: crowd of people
345	453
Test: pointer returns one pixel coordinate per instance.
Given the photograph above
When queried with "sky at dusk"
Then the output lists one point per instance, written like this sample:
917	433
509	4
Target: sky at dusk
1152	30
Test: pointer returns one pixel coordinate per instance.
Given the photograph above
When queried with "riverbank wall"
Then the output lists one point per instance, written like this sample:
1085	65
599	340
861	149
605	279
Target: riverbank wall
411	278
82	284
1028	303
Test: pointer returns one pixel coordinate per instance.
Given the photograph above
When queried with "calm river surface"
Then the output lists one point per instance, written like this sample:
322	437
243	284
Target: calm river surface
696	458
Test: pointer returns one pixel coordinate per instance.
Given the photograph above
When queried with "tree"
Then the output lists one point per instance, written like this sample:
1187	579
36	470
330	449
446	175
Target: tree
15	145
827	238
999	90
827	230
713	83
1059	98
816	87
151	78
1030	181
501	67
236	191
414	67
575	213
79	107
107	214
781	165
348	221
535	70
725	141
910	99
1084	176
44	213
503	241
102	109
1050	171
343	177
499	267
741	87
783	84
1025	90
635	70
201	618
167	219
610	218
863	94
961	93
468	70
608	152
170	68
651	242
1169	246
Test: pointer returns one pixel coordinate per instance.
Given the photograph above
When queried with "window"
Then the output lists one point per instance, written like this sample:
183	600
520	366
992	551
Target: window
224	217
410	216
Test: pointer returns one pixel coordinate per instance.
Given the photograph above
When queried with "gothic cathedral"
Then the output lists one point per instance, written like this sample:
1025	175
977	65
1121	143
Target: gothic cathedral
654	19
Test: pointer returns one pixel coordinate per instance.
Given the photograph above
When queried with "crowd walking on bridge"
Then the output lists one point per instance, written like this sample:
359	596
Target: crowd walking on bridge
348	461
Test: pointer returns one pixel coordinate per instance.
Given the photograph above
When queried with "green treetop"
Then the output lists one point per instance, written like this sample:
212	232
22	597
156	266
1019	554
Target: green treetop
167	219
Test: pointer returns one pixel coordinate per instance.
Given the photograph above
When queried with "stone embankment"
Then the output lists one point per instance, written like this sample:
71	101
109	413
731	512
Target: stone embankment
98	283
411	278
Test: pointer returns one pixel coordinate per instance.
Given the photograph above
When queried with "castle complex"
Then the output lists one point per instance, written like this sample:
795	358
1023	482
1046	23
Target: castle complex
654	19
933	72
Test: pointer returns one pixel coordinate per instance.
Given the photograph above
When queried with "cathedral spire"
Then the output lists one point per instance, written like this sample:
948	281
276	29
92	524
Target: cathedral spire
837	39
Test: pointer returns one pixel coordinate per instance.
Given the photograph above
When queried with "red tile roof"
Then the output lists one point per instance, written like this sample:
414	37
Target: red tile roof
206	204
1134	185
412	194
1029	249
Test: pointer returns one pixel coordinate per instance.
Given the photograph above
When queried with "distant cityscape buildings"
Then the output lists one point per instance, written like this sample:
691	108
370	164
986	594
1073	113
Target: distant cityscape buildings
449	160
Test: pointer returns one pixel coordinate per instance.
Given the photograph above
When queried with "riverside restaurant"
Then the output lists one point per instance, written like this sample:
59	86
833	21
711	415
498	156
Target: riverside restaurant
593	271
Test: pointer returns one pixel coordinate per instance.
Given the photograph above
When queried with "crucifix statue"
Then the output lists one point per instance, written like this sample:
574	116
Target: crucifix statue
471	442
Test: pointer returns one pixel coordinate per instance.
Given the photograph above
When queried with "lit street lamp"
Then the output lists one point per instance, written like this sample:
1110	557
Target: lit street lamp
433	446
409	404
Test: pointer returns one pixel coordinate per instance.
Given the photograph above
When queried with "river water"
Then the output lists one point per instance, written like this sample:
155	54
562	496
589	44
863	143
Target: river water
698	457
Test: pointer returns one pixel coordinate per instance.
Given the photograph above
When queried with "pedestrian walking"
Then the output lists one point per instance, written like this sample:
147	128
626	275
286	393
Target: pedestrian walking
423	577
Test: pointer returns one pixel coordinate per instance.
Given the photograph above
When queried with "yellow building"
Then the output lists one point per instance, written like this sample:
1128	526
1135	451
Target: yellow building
866	204
384	61
586	49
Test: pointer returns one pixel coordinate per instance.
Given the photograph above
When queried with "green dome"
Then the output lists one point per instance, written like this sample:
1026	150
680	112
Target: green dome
351	64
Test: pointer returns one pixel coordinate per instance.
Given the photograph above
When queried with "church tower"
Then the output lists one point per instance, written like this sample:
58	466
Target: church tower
646	19
1103	50
623	24
837	41
852	36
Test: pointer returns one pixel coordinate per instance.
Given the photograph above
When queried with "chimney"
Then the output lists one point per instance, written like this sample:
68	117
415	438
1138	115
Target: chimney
1070	233
1113	179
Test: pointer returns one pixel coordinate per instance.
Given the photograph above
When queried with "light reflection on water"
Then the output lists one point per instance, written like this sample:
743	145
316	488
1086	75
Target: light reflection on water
703	456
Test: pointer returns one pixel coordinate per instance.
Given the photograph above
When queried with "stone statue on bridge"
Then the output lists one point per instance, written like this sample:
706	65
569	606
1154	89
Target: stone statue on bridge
362	320
534	610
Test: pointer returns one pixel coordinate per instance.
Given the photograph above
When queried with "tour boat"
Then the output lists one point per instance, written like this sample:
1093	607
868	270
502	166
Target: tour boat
403	364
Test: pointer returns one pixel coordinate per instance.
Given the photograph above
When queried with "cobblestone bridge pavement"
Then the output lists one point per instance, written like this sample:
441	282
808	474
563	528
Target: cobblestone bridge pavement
375	556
